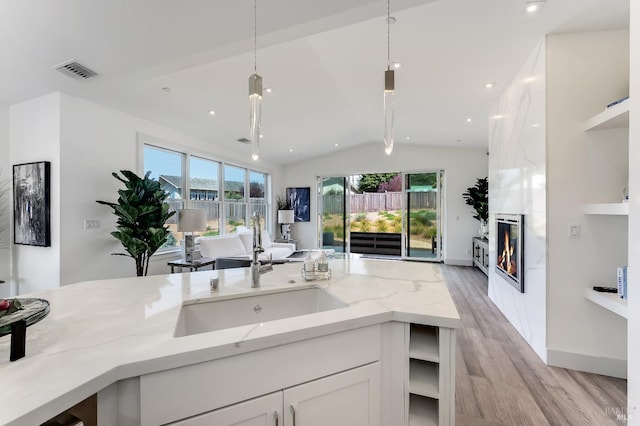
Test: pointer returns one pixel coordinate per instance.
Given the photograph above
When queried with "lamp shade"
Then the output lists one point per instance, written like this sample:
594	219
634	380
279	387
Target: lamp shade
192	220
285	216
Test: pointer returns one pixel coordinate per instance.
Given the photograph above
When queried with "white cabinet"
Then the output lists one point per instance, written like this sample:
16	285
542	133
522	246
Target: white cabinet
350	398
604	218
262	411
481	254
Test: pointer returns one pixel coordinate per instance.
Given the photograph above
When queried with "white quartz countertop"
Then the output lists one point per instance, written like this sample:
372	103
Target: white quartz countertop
99	332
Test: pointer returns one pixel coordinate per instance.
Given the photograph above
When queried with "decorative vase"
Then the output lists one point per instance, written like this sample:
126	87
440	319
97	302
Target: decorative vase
484	229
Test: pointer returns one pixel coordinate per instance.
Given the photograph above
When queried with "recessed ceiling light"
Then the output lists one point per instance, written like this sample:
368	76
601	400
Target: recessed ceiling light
290	149
166	89
497	117
397	65
490	84
268	89
533	6
336	145
469	120
211	112
529	79
408	138
261	136
535	125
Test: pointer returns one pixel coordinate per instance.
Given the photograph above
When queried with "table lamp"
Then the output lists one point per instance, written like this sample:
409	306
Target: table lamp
285	219
190	221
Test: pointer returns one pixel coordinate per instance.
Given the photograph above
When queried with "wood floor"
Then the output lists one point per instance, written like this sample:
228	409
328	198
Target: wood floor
501	381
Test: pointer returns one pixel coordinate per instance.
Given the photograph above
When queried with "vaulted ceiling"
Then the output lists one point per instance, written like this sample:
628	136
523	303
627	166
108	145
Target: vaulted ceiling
172	61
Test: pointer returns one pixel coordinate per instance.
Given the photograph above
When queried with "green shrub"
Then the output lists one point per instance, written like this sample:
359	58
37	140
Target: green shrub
396	227
365	225
381	225
359	217
423	217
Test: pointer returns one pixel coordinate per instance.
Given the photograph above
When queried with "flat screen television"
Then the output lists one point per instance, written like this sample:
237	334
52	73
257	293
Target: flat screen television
510	249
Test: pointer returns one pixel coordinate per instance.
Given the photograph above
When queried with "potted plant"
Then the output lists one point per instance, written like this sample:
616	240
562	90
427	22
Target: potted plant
478	197
142	213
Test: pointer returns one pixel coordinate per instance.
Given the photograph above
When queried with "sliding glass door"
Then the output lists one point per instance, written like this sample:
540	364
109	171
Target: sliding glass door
422	233
333	202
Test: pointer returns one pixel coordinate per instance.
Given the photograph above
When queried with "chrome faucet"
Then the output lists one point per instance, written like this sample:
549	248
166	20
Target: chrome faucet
256	268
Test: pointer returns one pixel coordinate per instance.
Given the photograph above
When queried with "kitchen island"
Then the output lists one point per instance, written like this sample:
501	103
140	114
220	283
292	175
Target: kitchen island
115	339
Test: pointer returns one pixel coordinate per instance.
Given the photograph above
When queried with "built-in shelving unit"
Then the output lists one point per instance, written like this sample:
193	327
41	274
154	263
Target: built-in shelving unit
613	209
615	117
609	301
424	383
422	411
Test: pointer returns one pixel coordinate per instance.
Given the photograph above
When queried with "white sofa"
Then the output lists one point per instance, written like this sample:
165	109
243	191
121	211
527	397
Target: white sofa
241	245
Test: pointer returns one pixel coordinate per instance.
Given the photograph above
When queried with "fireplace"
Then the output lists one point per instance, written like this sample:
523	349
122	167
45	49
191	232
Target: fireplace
510	249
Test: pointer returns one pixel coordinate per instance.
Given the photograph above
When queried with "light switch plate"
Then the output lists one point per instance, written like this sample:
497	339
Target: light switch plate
91	224
574	230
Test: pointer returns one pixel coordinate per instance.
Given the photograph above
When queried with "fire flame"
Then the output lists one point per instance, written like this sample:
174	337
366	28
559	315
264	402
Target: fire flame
505	259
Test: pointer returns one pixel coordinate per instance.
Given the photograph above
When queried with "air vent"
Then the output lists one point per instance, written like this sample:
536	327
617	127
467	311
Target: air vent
75	70
244	140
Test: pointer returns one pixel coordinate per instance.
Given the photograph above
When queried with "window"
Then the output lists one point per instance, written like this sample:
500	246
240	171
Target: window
235	203
257	195
216	187
204	191
167	166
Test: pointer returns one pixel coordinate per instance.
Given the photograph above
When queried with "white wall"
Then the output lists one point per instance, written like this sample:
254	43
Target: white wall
517	185
462	168
90	142
633	385
5	203
585	71
35	136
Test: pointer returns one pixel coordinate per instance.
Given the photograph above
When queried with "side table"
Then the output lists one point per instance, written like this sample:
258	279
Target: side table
192	265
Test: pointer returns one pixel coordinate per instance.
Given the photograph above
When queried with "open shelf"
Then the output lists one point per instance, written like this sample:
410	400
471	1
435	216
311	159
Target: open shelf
424	343
609	301
422	411
615	117
616	209
423	378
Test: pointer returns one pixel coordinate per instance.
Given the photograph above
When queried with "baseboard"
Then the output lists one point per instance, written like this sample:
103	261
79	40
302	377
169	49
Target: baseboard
592	364
458	262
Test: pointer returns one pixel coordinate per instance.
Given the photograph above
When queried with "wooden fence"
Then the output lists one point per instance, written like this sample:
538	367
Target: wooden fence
374	202
234	211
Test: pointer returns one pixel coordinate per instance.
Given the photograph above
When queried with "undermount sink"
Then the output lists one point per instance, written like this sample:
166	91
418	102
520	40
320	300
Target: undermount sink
252	309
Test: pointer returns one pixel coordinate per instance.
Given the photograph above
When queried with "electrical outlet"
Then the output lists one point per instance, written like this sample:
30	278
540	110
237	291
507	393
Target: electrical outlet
91	224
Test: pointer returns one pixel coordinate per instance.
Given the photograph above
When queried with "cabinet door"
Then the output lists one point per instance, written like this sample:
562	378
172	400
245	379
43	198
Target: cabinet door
263	411
351	398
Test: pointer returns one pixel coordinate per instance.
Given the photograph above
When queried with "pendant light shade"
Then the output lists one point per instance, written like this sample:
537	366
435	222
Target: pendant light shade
255	114
389	103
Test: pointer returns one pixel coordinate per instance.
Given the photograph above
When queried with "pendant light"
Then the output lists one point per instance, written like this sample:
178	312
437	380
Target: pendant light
389	92
255	97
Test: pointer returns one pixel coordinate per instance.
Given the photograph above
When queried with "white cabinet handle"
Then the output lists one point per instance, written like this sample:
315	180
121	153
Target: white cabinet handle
293	414
275	417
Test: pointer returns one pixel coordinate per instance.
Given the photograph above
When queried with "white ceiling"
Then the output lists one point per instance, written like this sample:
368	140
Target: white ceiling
324	59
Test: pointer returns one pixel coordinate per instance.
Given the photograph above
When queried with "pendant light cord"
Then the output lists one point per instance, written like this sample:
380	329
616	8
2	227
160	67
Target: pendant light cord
388	35
255	37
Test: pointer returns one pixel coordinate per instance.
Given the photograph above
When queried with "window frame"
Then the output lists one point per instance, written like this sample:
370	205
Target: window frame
186	153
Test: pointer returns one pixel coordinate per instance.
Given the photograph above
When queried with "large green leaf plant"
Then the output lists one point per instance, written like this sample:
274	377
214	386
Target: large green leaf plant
142	213
478	197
